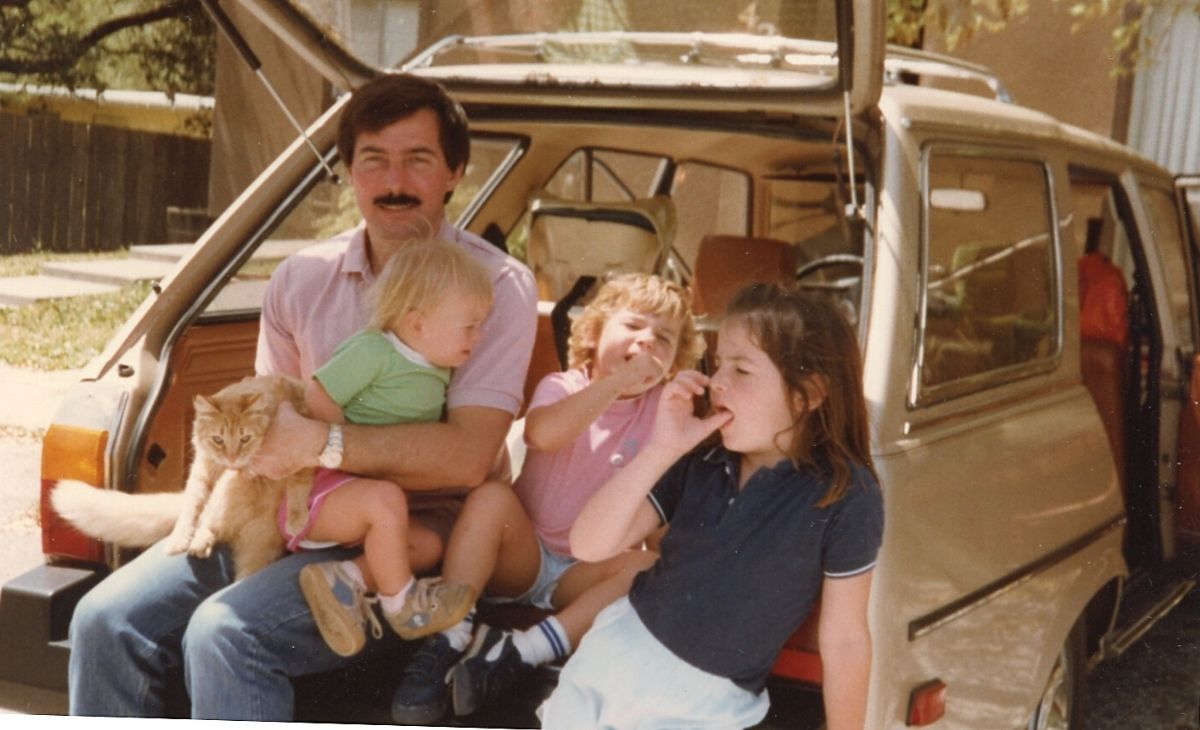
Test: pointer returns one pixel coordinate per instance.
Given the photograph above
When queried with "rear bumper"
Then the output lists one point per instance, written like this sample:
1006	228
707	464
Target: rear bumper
35	612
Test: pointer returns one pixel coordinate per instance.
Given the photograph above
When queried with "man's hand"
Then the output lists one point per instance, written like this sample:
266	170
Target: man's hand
292	443
677	429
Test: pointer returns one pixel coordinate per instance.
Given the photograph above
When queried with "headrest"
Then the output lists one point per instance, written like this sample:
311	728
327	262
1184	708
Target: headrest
569	239
725	264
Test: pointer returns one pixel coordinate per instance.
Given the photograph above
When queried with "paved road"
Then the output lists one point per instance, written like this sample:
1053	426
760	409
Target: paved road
1155	685
27	403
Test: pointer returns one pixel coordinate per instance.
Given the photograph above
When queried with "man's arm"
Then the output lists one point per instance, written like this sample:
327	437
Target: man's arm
458	452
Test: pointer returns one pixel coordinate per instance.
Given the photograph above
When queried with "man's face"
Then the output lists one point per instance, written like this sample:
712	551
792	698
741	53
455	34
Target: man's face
400	178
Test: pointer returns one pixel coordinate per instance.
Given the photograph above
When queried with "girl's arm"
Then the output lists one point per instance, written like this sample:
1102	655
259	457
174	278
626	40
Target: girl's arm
555	425
844	639
320	405
618	515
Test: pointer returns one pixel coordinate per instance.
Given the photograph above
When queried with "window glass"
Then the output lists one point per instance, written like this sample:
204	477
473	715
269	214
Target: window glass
990	300
1164	227
708	200
328	209
595	176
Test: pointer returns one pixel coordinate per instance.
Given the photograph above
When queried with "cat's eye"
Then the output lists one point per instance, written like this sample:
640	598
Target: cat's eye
217	440
246	438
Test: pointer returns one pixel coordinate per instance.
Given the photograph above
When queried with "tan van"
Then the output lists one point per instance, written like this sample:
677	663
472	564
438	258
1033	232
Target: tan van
1042	487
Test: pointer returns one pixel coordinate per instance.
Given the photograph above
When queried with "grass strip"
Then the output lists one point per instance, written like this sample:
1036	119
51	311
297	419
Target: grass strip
61	334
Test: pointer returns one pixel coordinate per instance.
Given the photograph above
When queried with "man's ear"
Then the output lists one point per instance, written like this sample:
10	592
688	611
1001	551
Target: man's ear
456	177
816	388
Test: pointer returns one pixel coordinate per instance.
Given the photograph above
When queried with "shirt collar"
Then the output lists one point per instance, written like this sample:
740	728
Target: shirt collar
356	260
718	454
408	352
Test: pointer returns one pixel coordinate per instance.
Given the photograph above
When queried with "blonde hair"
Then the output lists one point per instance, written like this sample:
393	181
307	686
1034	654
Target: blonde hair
419	275
645	293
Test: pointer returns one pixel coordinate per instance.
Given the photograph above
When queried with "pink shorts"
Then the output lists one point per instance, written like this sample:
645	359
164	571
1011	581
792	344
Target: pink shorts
324	482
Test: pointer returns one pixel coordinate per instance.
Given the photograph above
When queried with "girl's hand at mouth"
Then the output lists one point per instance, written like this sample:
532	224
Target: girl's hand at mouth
677	428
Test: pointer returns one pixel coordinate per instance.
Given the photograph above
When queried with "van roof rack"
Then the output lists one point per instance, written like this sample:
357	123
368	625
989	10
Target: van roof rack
902	63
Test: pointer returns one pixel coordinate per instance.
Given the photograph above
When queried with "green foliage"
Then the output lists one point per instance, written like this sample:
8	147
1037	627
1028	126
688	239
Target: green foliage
957	21
160	45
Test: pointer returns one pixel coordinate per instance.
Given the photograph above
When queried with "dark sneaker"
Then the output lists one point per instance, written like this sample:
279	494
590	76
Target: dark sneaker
432	605
339	606
422	696
491	667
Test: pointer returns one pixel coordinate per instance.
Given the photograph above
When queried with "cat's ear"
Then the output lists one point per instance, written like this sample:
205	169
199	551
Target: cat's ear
205	406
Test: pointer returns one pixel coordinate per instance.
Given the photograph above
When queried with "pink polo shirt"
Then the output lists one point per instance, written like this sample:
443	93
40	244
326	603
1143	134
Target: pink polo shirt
555	485
316	299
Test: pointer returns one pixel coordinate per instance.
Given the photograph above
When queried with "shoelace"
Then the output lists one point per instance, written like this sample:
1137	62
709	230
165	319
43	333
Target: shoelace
425	661
423	595
362	605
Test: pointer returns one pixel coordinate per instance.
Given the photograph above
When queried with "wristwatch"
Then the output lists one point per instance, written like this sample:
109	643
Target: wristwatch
331	455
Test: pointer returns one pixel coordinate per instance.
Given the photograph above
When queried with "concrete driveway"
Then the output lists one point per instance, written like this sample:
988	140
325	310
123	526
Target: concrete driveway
27	403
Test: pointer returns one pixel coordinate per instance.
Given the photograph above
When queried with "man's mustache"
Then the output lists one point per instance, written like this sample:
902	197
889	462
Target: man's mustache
401	199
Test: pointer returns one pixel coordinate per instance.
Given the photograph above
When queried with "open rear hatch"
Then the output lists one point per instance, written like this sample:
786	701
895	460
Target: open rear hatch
810	57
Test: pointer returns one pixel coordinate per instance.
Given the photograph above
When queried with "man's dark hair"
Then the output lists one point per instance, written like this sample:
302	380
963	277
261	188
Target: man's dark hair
391	97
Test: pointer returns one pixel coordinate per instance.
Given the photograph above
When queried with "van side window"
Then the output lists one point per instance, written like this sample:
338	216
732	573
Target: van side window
990	299
1164	226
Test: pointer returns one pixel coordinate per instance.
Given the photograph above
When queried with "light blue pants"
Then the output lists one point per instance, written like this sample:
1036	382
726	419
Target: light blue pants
622	678
238	645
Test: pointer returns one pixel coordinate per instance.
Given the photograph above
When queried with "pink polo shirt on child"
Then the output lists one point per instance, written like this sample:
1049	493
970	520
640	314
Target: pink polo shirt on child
554	485
316	299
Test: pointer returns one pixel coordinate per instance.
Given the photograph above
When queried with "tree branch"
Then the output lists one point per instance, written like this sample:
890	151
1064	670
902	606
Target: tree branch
76	49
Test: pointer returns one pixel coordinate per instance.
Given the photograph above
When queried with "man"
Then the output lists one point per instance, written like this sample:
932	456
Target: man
405	144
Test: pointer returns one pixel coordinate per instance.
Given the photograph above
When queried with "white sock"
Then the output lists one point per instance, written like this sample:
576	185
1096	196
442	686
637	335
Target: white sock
350	568
395	602
542	643
459	635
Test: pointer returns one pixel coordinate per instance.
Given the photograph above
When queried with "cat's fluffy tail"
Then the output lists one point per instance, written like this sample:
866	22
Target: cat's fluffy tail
129	520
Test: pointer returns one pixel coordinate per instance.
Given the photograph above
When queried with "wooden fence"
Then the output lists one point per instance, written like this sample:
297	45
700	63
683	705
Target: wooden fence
85	187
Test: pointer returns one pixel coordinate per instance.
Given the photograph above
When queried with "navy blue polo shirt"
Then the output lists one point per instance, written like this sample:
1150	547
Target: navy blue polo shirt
740	571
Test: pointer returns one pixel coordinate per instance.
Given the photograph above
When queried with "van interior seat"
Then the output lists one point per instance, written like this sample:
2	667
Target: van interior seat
569	239
725	264
1102	365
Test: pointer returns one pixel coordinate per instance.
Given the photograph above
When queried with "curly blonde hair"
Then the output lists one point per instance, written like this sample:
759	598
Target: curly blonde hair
419	275
645	293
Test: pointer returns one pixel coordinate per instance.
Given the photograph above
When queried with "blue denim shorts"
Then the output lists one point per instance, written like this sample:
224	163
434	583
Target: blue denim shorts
550	572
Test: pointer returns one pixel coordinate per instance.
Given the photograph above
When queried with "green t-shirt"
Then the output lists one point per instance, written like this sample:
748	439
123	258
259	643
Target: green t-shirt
375	383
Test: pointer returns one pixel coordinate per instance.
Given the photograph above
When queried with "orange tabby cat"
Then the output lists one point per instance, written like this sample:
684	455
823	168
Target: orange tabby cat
222	500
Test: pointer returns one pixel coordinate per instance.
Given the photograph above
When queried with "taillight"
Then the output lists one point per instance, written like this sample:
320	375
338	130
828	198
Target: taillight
926	703
70	452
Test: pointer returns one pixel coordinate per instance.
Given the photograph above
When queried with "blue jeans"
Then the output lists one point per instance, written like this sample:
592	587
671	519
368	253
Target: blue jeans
238	645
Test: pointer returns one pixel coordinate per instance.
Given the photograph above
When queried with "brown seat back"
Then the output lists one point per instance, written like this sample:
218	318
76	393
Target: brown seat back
725	264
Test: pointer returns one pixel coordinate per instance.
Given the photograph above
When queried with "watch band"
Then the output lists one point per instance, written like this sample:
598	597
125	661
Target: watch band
331	455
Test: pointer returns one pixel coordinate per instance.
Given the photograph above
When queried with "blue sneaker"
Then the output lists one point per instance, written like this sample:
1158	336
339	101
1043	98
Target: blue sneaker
422	697
340	607
491	667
